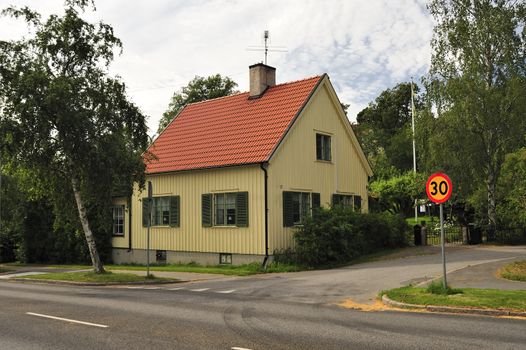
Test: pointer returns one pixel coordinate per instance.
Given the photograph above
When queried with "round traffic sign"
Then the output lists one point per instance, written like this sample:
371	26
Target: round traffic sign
439	188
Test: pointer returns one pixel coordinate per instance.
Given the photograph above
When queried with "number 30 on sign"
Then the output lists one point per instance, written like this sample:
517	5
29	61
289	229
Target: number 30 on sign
439	188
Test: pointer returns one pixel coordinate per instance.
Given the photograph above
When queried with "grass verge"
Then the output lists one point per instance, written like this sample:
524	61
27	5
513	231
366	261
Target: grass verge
428	219
465	297
91	277
515	271
231	270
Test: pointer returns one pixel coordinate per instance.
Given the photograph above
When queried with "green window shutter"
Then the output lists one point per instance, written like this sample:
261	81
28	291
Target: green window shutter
316	202
288	209
357	203
175	211
145	212
242	209
206	209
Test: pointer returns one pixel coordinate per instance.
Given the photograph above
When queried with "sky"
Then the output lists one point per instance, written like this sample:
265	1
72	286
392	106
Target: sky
366	46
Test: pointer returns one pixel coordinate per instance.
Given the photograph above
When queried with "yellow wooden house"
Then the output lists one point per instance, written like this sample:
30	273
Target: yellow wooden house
234	176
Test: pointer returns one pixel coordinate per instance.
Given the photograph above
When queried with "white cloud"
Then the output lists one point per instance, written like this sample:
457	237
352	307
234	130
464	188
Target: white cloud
365	46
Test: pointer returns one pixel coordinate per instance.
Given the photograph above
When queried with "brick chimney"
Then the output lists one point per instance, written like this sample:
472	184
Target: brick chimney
261	78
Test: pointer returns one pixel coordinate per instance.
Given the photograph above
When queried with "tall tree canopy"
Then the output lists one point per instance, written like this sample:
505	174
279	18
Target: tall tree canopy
198	89
384	130
66	118
477	81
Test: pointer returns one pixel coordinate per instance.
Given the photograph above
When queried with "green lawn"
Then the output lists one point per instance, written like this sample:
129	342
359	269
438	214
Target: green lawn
469	297
411	221
515	271
107	277
240	270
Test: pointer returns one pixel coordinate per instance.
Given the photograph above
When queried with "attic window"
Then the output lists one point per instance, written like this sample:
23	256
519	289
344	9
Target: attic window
323	147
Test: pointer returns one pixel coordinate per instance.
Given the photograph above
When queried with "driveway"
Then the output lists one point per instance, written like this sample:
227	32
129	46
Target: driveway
362	282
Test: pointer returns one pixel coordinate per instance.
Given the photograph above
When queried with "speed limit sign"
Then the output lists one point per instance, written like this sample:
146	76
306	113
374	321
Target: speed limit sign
439	188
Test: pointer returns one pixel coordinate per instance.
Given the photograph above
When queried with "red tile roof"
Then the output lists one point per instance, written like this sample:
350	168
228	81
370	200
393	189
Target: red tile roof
230	130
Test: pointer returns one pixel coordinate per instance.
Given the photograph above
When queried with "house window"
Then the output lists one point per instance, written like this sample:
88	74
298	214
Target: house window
348	201
164	210
225	209
344	200
161	211
300	206
118	220
323	147
297	206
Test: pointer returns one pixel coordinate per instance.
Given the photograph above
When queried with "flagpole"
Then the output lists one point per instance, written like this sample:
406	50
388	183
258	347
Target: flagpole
413	112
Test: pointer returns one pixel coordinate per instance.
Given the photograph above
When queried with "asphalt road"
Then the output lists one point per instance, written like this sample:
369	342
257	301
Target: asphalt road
271	312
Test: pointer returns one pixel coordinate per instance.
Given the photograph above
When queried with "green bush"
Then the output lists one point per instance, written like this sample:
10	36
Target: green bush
339	235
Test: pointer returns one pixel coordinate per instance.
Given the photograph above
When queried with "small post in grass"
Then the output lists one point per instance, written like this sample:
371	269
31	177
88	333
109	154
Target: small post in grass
150	205
438	189
442	243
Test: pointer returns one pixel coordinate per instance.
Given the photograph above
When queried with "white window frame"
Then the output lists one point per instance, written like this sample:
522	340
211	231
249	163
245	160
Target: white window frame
226	200
325	147
118	213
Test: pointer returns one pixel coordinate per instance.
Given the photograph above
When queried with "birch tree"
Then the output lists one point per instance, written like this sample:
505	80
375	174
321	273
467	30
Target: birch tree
68	118
477	80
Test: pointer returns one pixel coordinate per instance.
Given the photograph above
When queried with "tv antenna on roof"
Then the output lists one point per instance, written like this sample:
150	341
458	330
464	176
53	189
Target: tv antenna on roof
266	48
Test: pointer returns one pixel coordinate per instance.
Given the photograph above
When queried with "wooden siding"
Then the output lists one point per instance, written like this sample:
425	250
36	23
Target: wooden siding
294	166
191	236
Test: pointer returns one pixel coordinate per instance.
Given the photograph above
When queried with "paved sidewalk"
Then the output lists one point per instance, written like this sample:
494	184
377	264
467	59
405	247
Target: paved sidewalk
484	276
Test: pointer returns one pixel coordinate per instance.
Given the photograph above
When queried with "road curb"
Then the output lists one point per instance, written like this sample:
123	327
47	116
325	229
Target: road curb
450	309
89	284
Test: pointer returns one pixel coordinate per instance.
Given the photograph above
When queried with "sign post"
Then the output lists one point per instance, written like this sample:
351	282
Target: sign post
438	189
150	205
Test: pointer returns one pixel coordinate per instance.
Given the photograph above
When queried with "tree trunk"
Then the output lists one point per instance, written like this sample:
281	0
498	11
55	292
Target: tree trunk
492	210
95	259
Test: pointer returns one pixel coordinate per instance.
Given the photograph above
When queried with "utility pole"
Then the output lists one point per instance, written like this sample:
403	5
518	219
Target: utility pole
413	112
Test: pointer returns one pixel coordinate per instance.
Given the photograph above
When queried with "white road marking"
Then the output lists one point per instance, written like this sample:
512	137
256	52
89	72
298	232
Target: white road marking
176	288
151	288
135	287
20	274
67	320
236	348
199	290
226	291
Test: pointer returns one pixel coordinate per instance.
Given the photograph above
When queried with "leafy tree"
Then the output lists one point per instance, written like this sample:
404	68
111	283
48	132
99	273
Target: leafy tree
398	193
384	130
198	89
69	121
511	204
477	82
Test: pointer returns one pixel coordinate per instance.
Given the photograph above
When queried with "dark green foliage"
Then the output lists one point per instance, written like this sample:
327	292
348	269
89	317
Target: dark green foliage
477	81
67	121
197	90
384	131
398	193
339	235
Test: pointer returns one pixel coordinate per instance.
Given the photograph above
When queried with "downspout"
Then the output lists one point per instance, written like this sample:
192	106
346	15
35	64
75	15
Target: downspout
130	223
264	168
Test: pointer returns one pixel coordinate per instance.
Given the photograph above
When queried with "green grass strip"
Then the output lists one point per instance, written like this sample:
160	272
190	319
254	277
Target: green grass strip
466	297
91	277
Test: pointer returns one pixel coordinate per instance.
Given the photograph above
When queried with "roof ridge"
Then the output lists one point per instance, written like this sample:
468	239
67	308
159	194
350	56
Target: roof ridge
246	92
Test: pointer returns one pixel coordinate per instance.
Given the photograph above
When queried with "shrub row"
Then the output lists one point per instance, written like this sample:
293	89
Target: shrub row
338	235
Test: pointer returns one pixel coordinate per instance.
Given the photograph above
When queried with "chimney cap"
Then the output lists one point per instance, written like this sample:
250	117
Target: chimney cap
261	64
